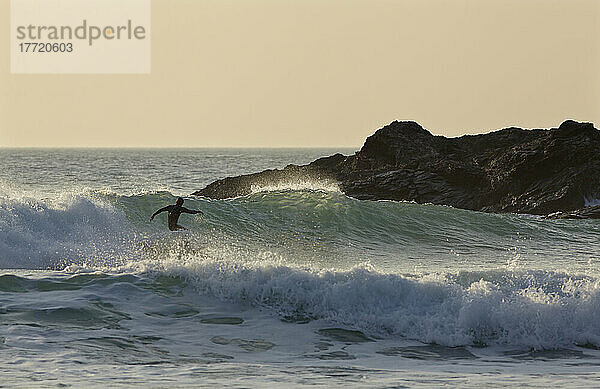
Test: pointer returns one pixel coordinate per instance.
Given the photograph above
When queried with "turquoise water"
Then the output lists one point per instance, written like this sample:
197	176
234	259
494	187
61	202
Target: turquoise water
294	285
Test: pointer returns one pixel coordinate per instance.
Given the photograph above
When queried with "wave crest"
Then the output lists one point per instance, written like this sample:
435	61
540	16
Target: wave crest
47	233
298	185
537	309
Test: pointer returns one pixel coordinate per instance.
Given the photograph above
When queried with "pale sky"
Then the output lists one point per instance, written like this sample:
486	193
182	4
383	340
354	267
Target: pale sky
320	73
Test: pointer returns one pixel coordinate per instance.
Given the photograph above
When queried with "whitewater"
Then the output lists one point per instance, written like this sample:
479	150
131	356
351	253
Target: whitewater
294	285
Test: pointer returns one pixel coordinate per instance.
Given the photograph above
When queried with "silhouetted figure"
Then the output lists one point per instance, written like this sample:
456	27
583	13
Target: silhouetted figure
174	212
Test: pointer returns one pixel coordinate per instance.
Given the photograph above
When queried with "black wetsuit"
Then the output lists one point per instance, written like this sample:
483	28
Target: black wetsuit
174	212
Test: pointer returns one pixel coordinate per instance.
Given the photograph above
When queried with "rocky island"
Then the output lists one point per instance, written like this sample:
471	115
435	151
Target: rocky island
553	172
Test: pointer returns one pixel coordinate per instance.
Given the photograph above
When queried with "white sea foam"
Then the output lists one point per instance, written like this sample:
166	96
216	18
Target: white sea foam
542	310
42	233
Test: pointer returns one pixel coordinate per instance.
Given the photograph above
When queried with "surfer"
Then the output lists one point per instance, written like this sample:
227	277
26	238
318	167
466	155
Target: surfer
174	212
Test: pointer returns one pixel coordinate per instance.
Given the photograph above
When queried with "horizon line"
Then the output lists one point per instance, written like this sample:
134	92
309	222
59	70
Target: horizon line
177	147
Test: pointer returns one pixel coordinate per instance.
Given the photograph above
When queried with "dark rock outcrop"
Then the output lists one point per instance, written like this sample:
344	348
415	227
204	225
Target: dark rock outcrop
511	170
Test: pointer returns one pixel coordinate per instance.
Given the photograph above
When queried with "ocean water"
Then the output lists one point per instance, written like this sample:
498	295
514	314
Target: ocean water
294	285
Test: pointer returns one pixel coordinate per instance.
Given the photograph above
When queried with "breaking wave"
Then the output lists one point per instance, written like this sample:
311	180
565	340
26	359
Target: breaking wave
317	255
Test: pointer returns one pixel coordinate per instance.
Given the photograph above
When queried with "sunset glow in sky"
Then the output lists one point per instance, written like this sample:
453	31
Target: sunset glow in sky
320	73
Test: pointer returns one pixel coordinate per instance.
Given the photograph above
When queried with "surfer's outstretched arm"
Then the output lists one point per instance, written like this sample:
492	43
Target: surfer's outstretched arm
193	212
164	209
